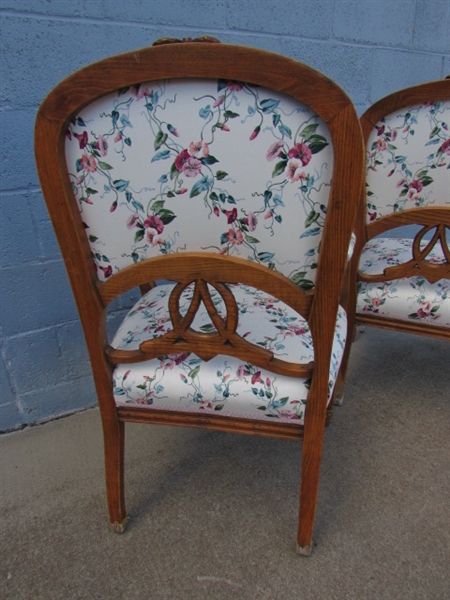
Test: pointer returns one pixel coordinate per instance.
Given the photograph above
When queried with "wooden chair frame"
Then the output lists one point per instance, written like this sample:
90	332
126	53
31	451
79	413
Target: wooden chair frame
319	307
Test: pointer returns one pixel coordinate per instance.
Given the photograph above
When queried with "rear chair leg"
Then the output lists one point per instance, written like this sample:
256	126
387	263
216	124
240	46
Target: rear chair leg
114	439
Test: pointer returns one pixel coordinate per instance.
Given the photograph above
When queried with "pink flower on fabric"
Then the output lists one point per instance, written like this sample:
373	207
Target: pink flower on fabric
231	215
132	220
256	378
446	146
205	404
381	145
173	130
295	330
234	86
254	133
376	302
302	152
293	170
274	150
181	159
179	358
416	185
285	414
102	145
89	163
235	237
251	221
174	359
155	223
219	101
425	311
196	147
139	91
192	167
82	139
107	271
150	235
241	372
435	260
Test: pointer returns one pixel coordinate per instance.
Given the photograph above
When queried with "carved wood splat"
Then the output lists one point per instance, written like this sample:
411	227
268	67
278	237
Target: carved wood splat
205	345
419	265
224	340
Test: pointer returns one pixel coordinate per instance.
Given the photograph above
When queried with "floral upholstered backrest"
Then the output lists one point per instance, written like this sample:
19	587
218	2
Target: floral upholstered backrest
204	165
408	160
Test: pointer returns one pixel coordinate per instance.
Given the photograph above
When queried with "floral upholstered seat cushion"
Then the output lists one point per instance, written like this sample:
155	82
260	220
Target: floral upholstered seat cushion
412	299
224	384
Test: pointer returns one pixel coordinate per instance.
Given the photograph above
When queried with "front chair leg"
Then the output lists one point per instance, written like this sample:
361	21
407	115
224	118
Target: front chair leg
114	436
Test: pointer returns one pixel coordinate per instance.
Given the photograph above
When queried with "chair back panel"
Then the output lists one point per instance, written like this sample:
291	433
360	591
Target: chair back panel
201	165
408	160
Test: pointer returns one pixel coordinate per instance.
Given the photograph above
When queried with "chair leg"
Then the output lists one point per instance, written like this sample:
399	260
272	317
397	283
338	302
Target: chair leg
114	439
311	456
338	395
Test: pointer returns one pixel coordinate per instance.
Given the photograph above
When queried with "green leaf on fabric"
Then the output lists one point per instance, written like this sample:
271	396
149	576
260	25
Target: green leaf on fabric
279	168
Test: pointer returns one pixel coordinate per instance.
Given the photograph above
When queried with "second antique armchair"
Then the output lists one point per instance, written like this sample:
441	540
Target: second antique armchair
404	279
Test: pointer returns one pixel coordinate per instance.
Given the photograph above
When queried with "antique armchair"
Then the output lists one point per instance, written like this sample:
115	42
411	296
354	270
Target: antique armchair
403	282
223	182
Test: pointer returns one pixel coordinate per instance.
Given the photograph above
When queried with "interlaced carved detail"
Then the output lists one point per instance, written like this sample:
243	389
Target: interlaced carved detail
207	345
223	340
419	265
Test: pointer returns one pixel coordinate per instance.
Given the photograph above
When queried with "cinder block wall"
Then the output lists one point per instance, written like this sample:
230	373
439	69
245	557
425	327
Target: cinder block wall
370	47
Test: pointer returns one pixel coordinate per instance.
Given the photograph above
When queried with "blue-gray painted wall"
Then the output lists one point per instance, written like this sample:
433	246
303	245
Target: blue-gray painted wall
370	47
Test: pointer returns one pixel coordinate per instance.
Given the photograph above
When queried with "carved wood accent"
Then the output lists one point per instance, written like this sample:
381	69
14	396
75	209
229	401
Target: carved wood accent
217	271
202	39
419	265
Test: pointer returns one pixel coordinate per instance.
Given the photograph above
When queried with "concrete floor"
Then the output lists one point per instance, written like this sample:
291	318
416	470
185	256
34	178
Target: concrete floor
213	516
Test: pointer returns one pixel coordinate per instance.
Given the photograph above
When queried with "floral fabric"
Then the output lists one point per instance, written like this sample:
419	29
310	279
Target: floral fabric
219	166
408	160
412	299
223	385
